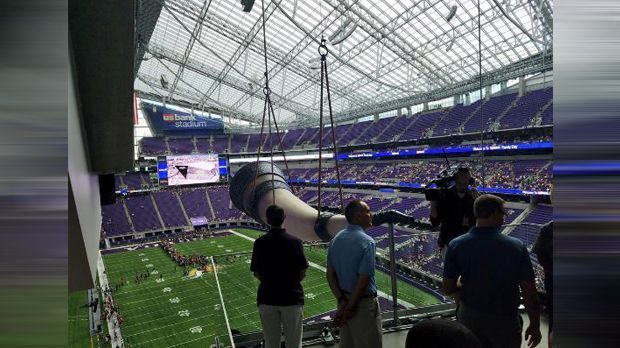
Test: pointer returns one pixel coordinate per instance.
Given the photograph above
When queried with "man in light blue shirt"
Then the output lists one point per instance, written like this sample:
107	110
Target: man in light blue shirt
351	278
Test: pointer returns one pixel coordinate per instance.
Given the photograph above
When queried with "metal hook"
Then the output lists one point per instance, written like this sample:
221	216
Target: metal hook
323	48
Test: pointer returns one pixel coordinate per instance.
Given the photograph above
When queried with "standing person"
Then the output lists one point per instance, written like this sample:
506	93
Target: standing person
351	278
454	209
543	248
279	263
490	268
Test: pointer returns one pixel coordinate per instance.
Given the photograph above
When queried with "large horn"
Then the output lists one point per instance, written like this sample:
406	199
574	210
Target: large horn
253	189
256	184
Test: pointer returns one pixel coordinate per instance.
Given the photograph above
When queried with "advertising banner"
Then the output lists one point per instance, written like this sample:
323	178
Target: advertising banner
164	121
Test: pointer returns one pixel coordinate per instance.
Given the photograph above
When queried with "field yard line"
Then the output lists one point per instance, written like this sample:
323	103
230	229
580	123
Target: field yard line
196	304
319	267
168	295
219	289
161	327
182	343
242	235
160	337
138	325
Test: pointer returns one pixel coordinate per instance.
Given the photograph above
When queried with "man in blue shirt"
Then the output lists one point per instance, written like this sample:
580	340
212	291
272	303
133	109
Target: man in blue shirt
489	269
351	278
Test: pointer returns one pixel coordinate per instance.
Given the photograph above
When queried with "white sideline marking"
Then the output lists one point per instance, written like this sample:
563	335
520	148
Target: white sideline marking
321	268
219	289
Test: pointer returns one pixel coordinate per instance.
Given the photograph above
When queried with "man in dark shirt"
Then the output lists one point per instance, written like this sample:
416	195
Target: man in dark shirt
455	210
492	267
279	263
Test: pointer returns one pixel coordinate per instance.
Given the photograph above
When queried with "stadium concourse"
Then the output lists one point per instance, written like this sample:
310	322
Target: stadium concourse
370	100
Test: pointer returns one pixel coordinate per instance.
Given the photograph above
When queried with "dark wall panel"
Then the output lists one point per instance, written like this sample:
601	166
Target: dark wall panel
101	35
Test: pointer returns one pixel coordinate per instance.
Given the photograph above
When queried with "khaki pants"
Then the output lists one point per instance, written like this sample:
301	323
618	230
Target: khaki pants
364	329
276	318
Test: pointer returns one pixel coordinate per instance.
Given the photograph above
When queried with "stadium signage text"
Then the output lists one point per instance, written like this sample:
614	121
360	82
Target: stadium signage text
167	121
449	150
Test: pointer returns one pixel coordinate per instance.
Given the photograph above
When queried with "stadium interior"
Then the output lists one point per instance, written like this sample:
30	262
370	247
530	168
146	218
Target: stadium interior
351	99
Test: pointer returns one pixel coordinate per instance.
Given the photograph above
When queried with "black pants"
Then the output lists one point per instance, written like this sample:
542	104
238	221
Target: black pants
493	331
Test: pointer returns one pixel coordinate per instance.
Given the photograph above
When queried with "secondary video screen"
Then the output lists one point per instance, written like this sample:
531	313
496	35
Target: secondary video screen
192	169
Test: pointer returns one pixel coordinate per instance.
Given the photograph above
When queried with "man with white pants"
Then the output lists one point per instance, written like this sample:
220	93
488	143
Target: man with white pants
278	261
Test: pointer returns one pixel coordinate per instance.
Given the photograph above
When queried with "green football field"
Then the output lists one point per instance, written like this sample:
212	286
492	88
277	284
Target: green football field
175	311
78	320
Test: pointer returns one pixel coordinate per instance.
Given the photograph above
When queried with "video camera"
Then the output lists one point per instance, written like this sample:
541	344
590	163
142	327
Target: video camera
445	180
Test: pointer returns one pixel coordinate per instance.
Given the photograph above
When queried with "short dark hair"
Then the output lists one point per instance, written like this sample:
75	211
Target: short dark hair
487	205
441	333
462	171
353	209
275	215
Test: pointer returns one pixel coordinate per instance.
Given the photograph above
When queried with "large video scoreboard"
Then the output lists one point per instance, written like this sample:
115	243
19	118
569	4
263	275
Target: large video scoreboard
190	169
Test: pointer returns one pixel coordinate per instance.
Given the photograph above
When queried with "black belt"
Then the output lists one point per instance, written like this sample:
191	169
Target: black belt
373	295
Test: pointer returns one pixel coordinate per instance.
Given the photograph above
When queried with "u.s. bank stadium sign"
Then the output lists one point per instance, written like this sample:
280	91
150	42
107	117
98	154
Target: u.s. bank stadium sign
165	121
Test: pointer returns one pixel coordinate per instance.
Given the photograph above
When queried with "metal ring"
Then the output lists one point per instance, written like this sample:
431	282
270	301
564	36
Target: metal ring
266	90
324	47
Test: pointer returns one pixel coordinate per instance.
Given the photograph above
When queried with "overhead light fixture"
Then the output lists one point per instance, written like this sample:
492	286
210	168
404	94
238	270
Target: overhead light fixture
451	13
247	5
343	32
315	63
164	82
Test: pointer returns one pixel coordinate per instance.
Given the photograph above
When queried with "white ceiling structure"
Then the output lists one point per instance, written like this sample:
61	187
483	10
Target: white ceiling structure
383	54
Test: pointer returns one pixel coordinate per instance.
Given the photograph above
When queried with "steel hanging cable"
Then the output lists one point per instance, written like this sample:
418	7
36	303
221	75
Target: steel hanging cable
482	171
281	144
267	92
331	118
260	137
273	188
320	145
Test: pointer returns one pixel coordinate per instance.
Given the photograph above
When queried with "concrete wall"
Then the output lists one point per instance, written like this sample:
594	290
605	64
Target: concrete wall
84	206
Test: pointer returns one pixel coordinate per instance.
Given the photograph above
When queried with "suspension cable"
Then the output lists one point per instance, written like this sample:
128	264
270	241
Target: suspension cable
267	92
273	188
268	110
260	137
482	171
281	144
331	118
320	145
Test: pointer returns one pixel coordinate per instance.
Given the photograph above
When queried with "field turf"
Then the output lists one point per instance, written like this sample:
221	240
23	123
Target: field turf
79	335
176	311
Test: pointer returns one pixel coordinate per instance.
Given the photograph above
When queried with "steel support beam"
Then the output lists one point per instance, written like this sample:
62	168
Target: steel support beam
230	81
195	98
524	67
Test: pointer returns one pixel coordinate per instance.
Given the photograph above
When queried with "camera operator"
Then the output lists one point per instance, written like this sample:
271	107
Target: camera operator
453	208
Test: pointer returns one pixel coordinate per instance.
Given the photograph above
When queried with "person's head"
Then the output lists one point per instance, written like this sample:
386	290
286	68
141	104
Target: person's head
441	333
357	212
489	211
462	179
275	216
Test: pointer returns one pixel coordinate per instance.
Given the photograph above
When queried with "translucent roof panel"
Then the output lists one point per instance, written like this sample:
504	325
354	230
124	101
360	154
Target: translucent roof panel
383	54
